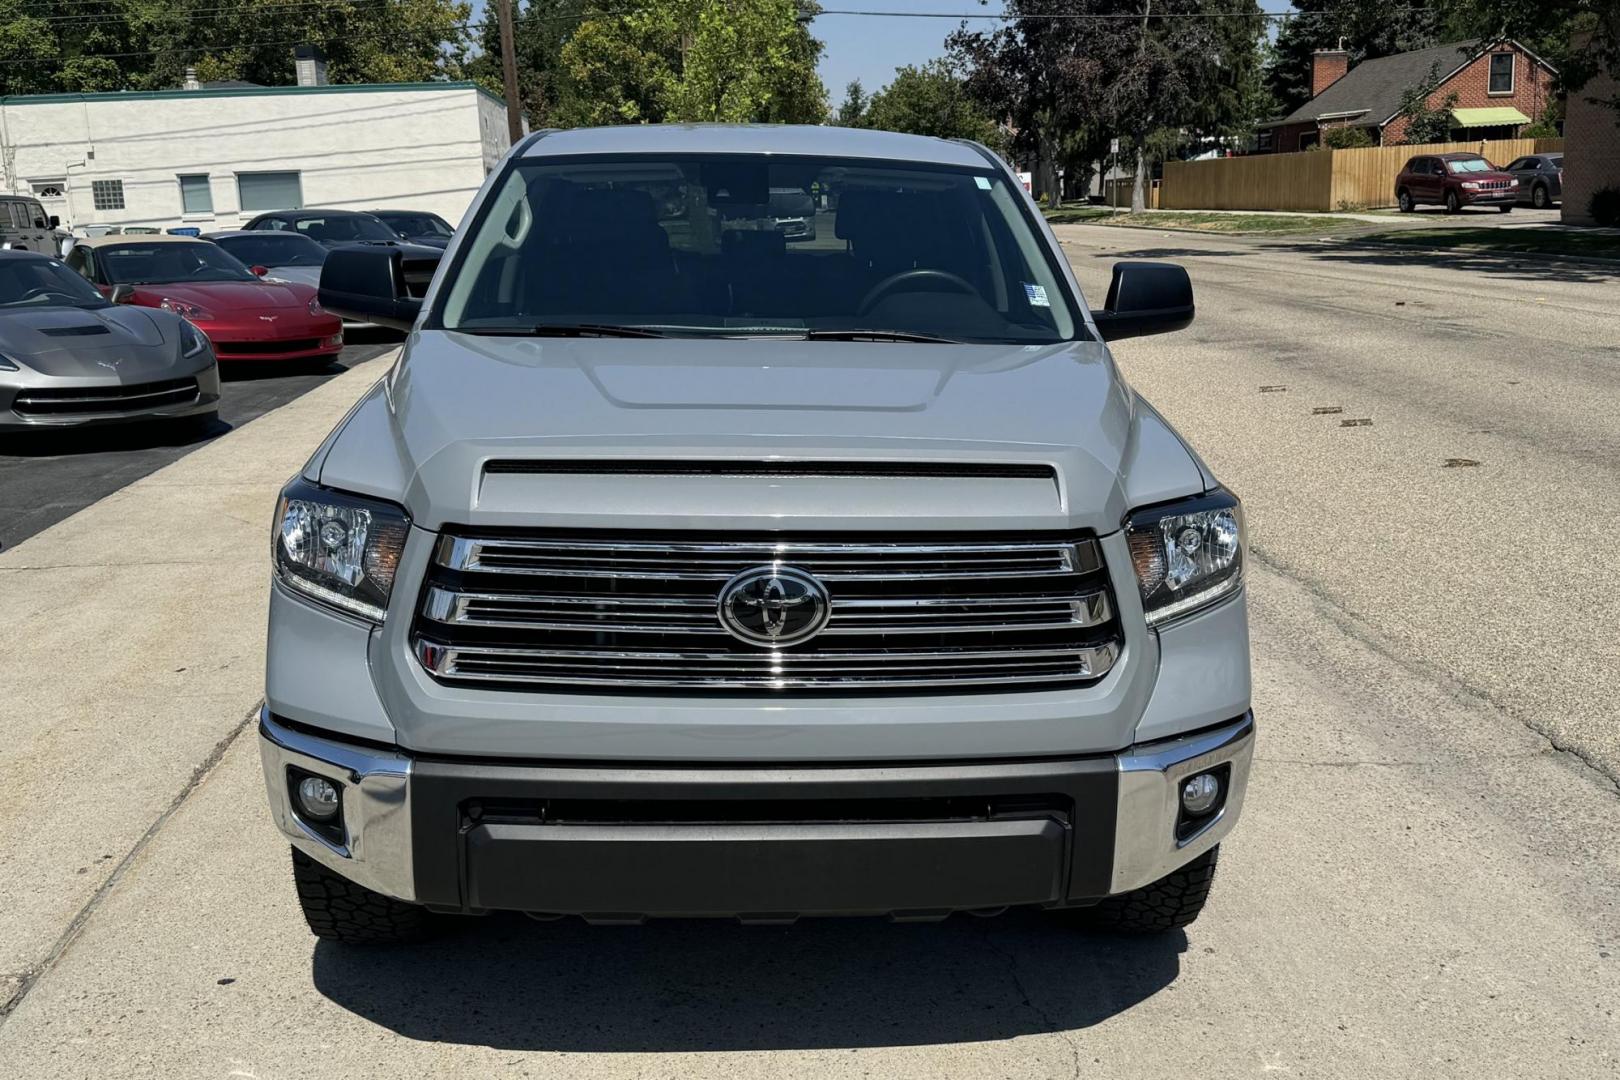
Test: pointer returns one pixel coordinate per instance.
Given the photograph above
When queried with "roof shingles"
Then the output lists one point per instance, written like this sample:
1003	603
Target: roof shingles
1374	87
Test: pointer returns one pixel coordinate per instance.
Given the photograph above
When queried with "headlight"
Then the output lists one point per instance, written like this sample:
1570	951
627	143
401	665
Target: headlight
185	309
1471	185
339	549
1187	554
315	307
192	340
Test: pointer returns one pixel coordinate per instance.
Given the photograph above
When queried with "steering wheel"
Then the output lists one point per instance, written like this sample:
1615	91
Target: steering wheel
917	274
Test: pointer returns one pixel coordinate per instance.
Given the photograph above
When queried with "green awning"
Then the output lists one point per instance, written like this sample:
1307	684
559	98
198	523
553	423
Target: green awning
1492	117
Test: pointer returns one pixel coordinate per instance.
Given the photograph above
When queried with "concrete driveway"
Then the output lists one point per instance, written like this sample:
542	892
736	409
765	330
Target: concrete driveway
1426	882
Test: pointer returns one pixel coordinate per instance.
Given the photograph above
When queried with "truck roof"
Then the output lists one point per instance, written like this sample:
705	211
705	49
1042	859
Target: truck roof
785	139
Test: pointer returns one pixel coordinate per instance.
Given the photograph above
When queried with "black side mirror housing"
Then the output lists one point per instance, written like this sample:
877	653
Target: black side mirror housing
122	294
1146	298
378	283
56	222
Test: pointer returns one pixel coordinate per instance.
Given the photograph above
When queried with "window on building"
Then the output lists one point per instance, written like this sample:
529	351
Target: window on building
1501	73
1263	141
269	191
107	194
196	197
50	189
1308	139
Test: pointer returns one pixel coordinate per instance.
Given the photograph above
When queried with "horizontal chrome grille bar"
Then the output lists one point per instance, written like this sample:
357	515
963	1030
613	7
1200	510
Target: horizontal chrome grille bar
682	561
697	615
772	670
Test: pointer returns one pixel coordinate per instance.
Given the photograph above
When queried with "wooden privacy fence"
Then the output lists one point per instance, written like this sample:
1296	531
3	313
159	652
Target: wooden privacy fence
1117	192
1317	180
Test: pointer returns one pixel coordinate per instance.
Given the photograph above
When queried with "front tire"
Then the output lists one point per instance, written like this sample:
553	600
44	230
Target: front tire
1170	903
1403	199
1453	204
339	910
1505	209
1538	197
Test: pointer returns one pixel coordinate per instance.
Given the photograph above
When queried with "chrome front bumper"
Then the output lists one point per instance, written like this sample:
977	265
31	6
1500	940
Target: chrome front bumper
380	850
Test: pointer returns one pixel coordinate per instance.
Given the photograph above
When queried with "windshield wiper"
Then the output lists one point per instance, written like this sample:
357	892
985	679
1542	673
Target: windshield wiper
878	335
561	330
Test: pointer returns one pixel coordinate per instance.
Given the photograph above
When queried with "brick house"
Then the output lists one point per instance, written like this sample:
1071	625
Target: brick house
1501	86
1592	150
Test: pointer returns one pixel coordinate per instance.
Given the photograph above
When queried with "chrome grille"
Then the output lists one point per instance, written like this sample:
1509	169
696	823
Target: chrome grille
627	611
71	401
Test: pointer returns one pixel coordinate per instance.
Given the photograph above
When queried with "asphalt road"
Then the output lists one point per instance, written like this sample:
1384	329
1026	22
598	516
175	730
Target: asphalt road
1423	885
46	476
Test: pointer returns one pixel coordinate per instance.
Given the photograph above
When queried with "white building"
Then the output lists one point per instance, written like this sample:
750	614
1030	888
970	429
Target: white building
212	157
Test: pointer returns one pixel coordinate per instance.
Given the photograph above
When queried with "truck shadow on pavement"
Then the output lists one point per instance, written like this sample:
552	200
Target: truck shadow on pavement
510	984
1499	264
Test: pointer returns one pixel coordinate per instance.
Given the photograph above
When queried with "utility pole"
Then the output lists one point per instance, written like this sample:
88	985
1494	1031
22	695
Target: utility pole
514	101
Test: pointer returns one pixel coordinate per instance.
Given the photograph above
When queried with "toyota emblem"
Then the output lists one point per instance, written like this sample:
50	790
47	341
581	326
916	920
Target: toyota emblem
774	605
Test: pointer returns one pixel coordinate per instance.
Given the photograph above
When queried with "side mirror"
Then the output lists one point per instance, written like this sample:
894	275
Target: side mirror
56	222
122	294
378	284
1146	298
258	271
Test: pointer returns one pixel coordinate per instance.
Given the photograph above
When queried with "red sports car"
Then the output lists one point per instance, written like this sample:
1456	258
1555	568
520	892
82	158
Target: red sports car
244	317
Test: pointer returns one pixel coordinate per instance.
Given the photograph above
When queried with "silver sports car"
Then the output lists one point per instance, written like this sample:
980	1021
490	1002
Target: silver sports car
68	356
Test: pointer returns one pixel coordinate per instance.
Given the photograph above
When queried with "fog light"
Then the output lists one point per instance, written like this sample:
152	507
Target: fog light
318	798
1199	794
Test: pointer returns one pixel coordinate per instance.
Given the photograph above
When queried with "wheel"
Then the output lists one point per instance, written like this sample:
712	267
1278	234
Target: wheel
1506	208
1171	902
1453	204
1403	198
1538	197
339	910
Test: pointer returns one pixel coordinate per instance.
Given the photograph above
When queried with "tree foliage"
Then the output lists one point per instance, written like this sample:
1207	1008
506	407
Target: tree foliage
930	100
1426	122
853	109
540	29
692	60
70	45
1346	138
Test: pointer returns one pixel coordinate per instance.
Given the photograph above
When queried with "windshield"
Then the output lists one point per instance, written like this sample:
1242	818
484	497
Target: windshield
1469	165
418	224
355	228
167	263
697	245
29	283
274	249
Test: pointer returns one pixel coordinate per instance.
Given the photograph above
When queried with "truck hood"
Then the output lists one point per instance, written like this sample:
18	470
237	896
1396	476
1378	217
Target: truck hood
1084	448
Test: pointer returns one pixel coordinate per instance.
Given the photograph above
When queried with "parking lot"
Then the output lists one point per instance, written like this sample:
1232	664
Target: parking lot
1427	882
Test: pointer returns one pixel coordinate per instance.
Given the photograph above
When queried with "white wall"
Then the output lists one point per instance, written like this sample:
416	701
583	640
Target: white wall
354	147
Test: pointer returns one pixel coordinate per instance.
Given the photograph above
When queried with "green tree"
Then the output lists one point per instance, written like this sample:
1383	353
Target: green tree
694	60
930	100
1345	138
68	45
852	112
540	29
1426	123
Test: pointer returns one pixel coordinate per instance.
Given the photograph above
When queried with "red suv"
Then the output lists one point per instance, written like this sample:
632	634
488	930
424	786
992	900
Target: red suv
1456	181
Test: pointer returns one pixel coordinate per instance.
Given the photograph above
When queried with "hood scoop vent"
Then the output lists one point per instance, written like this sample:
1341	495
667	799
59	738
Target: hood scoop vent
87	330
849	469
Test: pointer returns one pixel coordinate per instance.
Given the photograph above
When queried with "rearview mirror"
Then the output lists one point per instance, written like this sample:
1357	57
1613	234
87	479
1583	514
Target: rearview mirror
1145	298
122	294
378	284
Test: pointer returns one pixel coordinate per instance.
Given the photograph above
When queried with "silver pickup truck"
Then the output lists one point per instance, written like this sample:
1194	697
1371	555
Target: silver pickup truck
679	570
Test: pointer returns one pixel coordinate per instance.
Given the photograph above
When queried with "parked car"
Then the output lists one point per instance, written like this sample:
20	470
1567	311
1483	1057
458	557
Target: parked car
1540	177
68	357
417	226
244	317
285	256
331	228
794	213
753	579
25	226
1454	181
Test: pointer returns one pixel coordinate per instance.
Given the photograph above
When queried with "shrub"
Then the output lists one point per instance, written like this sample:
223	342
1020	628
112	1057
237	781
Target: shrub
1605	206
1539	130
1346	138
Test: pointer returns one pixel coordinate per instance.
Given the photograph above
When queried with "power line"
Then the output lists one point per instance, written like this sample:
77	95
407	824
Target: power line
1092	17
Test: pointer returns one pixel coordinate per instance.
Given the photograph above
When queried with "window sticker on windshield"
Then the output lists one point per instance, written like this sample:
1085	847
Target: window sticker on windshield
984	184
1036	295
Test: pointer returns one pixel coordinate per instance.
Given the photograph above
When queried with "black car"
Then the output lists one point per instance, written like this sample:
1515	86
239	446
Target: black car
333	228
1541	178
417	226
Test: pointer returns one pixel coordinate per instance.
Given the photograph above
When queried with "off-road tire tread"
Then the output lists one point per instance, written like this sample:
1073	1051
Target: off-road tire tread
339	910
1170	903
